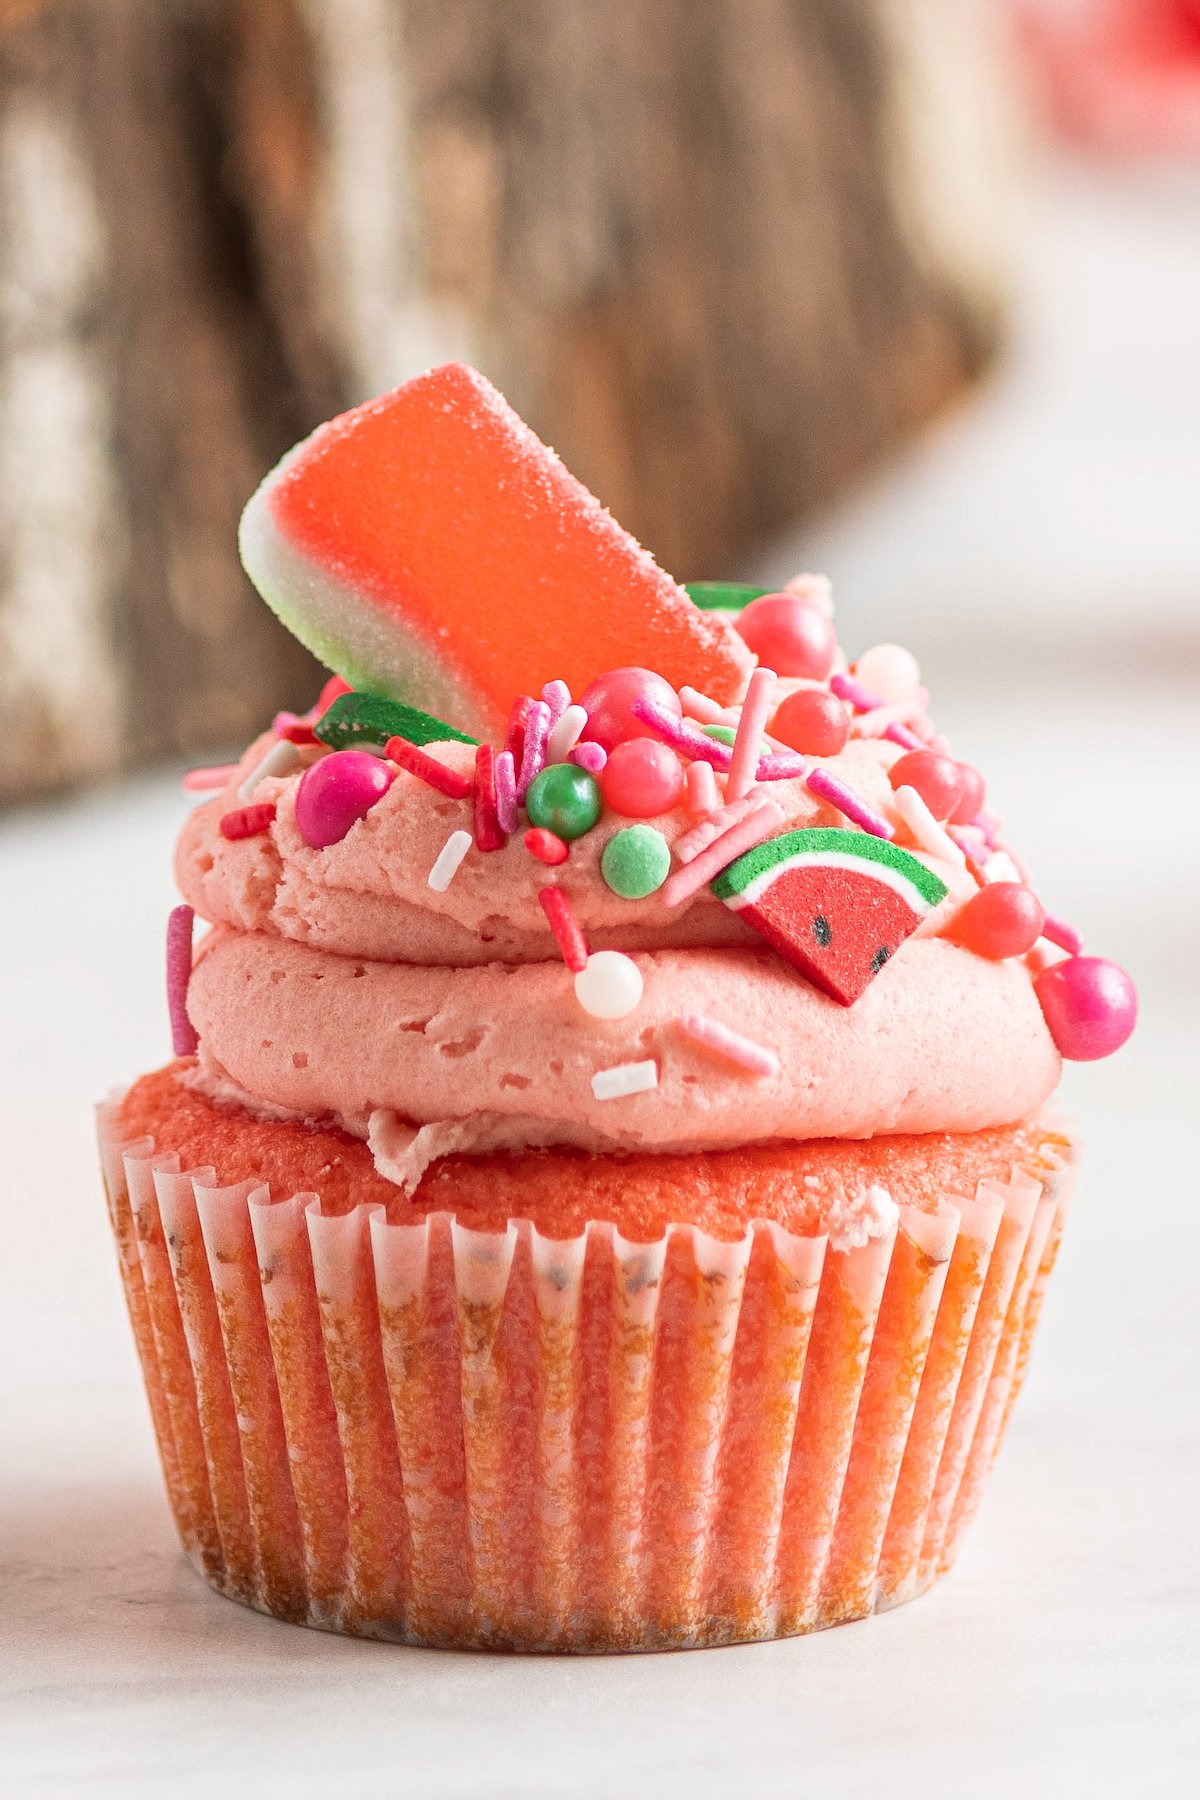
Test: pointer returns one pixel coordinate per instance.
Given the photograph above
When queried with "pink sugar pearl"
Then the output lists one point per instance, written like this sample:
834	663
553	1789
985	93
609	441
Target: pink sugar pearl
1090	1006
337	792
973	792
609	699
790	635
938	780
812	721
642	778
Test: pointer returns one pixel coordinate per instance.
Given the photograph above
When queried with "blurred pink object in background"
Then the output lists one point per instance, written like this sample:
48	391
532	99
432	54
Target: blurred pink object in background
1123	75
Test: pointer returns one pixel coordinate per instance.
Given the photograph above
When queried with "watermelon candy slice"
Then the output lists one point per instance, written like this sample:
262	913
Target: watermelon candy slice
428	547
356	719
837	904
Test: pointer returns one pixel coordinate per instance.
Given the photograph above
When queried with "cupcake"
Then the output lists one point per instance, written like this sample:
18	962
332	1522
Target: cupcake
605	1188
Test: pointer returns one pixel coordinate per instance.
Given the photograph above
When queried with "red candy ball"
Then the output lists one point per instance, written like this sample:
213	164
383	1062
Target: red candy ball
972	795
641	778
337	792
609	699
1003	919
789	635
812	721
938	780
1090	1006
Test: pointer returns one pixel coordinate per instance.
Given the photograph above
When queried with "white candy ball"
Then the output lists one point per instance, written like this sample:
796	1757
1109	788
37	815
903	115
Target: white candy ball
890	671
610	986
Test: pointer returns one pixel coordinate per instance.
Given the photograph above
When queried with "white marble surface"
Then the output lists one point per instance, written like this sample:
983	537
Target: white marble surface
1063	1653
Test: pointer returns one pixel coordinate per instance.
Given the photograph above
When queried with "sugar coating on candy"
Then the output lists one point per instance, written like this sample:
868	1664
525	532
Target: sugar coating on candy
505	776
636	861
557	696
642	778
609	702
565	800
732	1045
180	922
571	942
625	1079
1003	919
451	782
609	985
789	634
428	544
449	860
1089	1004
836	904
358	719
536	735
247	821
336	793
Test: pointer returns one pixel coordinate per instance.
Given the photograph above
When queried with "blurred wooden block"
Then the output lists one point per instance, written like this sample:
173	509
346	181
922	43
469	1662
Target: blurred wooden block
721	255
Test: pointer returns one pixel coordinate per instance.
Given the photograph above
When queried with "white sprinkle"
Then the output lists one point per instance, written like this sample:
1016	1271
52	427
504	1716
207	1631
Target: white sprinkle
566	734
626	1078
449	860
929	834
280	759
1001	867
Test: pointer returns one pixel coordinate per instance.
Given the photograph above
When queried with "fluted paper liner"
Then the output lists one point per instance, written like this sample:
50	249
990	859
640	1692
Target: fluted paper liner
445	1436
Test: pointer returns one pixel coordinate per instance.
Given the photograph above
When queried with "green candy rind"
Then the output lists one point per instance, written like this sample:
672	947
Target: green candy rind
636	861
805	848
373	719
722	596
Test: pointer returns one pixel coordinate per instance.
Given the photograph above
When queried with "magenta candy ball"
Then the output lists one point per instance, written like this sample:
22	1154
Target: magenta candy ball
609	700
1090	1006
337	792
789	635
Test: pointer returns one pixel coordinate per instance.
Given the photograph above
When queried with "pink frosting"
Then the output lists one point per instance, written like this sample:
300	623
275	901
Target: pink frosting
336	982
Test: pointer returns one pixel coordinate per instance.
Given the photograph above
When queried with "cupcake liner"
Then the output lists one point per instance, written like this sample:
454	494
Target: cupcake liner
445	1436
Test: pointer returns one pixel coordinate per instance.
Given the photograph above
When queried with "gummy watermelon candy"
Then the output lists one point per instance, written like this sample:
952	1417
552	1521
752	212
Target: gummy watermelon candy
431	549
838	904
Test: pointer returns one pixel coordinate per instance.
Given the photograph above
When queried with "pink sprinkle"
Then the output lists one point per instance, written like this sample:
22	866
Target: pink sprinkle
514	736
533	756
700	706
209	781
557	696
283	721
828	787
702	795
680	735
688	847
592	757
900	734
876	722
505	775
728	1043
854	693
784	766
179	972
1062	934
570	940
755	708
743	836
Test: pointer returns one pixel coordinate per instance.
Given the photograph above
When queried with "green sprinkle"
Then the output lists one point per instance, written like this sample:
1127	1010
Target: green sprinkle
722	596
565	800
636	861
371	719
724	734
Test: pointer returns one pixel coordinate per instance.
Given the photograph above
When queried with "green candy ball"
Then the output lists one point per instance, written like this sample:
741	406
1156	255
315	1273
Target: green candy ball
636	861
564	800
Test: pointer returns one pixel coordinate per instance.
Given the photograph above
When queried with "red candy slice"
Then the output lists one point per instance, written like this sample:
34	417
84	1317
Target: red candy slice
430	548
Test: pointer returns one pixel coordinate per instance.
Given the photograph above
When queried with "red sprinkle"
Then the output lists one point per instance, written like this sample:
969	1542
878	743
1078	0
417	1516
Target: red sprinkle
514	737
545	846
570	940
488	835
298	732
428	769
333	690
248	821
